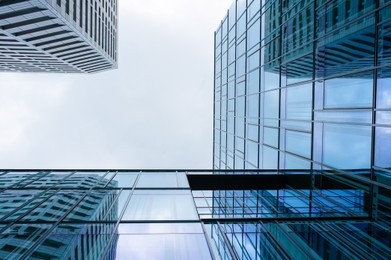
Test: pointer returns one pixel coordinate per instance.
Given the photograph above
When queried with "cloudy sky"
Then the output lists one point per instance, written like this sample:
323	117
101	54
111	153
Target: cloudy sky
155	111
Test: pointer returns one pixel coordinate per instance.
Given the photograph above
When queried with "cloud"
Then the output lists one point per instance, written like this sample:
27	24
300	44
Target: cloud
155	111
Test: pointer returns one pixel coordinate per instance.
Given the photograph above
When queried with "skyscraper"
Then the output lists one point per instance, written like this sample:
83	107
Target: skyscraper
303	85
301	155
70	36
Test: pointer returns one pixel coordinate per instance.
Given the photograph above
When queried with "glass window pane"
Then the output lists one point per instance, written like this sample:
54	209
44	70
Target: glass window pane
384	88
347	147
162	246
353	91
383	147
298	143
299	102
161	205
269	158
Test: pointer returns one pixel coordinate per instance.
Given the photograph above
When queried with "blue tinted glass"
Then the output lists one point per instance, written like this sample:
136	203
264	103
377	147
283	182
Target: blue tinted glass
270	80
240	48
299	102
253	61
240	106
253	107
270	157
253	82
270	136
253	34
293	162
298	143
271	104
384	88
232	15
347	147
352	91
240	89
240	66
231	54
252	132
383	147
161	205
385	41
239	127
162	246
241	26
253	8
345	116
252	152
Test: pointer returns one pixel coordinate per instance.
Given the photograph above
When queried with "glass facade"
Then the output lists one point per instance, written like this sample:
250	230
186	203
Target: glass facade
63	36
190	214
303	86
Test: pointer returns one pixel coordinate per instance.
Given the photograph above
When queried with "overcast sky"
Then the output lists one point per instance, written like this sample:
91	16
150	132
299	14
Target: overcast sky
155	111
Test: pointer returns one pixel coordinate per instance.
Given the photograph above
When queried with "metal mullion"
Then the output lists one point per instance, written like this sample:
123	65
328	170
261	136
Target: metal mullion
270	236
226	241
112	204
27	254
374	104
108	245
303	198
337	203
368	241
341	242
289	236
115	174
264	201
208	241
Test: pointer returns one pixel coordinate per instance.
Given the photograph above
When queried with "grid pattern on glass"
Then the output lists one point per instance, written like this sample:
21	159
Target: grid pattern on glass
299	240
286	72
276	204
77	214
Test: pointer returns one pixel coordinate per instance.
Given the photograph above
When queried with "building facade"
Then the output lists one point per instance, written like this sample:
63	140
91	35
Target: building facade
303	85
190	214
63	36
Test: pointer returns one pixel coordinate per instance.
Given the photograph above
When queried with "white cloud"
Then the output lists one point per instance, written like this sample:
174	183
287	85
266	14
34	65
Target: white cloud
155	111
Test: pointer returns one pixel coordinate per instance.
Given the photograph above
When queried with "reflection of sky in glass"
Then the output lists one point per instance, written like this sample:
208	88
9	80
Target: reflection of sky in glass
347	147
384	93
161	205
383	147
162	241
348	92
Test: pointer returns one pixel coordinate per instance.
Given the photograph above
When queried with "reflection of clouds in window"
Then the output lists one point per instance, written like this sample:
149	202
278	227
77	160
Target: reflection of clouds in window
383	147
348	93
347	147
384	93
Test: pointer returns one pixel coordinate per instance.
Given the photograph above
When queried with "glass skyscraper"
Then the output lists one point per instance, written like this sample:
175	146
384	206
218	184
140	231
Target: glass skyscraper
303	85
62	36
302	162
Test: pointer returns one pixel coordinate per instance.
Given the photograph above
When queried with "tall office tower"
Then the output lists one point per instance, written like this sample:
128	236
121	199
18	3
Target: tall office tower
63	36
303	85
